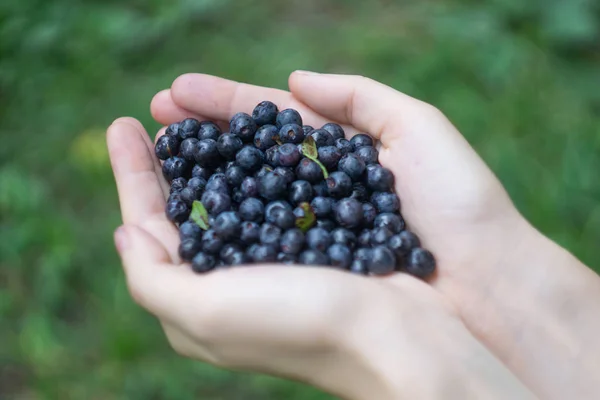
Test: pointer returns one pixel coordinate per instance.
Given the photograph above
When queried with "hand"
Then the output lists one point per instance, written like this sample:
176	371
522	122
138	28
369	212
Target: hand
449	198
360	338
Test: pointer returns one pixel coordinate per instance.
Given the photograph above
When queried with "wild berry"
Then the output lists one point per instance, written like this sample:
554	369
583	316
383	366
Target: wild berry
265	113
242	125
208	130
166	146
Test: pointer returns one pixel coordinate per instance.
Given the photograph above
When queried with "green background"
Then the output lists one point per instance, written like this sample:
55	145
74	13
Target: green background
519	78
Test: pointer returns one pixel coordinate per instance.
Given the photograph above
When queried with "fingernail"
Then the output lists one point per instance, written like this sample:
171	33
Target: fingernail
121	239
302	72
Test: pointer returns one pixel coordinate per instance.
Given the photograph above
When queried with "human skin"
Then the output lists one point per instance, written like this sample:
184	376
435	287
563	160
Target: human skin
502	289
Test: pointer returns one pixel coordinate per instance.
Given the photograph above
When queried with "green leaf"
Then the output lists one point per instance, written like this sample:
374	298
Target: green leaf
199	215
306	221
309	149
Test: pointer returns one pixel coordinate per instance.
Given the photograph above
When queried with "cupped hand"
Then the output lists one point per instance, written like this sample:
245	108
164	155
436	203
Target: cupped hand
358	337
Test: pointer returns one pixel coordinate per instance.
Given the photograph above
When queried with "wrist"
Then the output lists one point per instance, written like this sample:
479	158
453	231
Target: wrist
414	348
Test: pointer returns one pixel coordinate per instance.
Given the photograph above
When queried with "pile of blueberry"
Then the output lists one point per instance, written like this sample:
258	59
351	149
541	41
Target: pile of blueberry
272	190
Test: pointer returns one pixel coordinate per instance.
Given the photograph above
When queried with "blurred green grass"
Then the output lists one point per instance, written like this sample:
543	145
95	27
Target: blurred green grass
519	80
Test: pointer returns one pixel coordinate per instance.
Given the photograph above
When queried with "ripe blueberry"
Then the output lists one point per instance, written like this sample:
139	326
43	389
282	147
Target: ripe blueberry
243	125
348	213
208	130
420	263
309	170
188	248
174	167
291	133
207	153
228	225
252	209
228	145
368	154
339	184
216	202
393	222
318	239
265	113
250	158
203	262
292	241
288	116
336	131
340	256
382	262
361	140
166	146
188	128
329	156
322	138
266	137
353	166
300	192
322	206
313	257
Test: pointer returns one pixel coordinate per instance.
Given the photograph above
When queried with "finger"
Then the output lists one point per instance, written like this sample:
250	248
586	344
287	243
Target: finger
137	126
220	98
165	111
139	188
366	104
141	197
154	283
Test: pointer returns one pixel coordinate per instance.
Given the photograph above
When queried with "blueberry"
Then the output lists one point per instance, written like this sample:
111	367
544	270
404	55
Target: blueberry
239	258
188	195
344	236
339	255
288	116
348	213
265	113
228	225
211	242
361	140
198	184
329	156
252	209
359	267
218	183
382	262
283	218
287	259
249	187
250	250
203	262
353	166
219	170
216	202
320	189
209	130
322	206
174	167
363	254
380	236
359	192
368	154
266	137
420	263
288	155
177	211
188	148
228	145
386	202
177	185
318	239
188	248
336	131
307	129
339	184
237	197
322	138
242	125
300	192
292	241
272	156
326	224
369	214
272	186
364	238
173	130
270	234
166	146
235	176
250	158
308	170
264	170
403	243
344	146
264	253
291	133
190	230
207	153
393	222
175	196
227	251
286	173
250	232
313	257
380	179
272	213
201	172
188	128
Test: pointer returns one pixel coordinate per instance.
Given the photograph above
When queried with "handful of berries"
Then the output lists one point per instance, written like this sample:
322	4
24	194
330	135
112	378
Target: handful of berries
272	190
